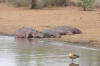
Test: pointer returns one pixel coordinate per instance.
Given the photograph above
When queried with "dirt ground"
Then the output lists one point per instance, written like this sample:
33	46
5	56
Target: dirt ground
87	21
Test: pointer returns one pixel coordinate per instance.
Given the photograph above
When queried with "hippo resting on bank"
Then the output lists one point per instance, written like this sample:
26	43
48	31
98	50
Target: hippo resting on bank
66	30
55	32
28	33
51	34
62	30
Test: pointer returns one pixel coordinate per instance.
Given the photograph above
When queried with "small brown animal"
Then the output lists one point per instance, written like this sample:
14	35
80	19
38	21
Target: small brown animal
73	56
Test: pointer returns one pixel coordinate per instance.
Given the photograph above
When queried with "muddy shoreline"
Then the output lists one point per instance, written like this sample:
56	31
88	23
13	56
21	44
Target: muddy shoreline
90	44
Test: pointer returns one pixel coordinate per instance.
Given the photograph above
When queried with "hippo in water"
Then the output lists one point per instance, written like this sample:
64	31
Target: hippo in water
28	33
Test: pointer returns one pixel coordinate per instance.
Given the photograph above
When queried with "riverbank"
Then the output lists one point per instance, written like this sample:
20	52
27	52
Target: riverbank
87	21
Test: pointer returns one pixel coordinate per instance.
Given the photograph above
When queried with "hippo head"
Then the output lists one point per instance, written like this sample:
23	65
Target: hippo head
77	31
30	35
39	35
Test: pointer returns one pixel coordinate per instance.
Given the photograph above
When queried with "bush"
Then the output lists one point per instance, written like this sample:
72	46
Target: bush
86	4
97	5
22	3
38	3
50	3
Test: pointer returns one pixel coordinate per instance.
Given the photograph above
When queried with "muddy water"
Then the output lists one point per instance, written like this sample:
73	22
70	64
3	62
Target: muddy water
39	52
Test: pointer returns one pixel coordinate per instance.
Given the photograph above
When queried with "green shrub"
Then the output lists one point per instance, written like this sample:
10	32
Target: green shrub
51	3
21	3
43	3
37	3
86	4
97	5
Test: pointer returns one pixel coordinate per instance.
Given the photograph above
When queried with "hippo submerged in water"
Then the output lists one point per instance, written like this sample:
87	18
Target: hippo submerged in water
28	33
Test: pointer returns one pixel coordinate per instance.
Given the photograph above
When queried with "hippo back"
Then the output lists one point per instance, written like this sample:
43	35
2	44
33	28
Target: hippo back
27	32
51	34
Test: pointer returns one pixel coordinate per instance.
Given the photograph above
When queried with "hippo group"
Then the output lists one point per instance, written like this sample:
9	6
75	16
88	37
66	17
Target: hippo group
55	32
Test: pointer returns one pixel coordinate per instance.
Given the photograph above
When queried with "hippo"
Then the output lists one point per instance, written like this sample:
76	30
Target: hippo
51	34
65	30
28	33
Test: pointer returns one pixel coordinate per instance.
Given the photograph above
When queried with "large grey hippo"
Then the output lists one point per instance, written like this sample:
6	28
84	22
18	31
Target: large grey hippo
28	33
50	34
62	30
66	30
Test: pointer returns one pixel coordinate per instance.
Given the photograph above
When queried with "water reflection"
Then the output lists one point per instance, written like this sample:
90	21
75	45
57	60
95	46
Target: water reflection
23	52
39	52
73	64
30	52
44	53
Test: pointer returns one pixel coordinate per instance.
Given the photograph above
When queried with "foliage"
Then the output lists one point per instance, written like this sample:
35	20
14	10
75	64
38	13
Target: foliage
22	3
51	3
97	5
86	4
37	3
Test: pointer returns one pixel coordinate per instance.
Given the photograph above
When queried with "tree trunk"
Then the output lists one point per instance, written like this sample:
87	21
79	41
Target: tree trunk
84	8
4	1
33	4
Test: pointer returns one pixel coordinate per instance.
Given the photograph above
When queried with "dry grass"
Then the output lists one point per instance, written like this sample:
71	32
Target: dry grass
88	21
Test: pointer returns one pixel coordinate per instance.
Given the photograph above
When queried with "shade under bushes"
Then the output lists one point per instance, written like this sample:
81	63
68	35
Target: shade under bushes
39	3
